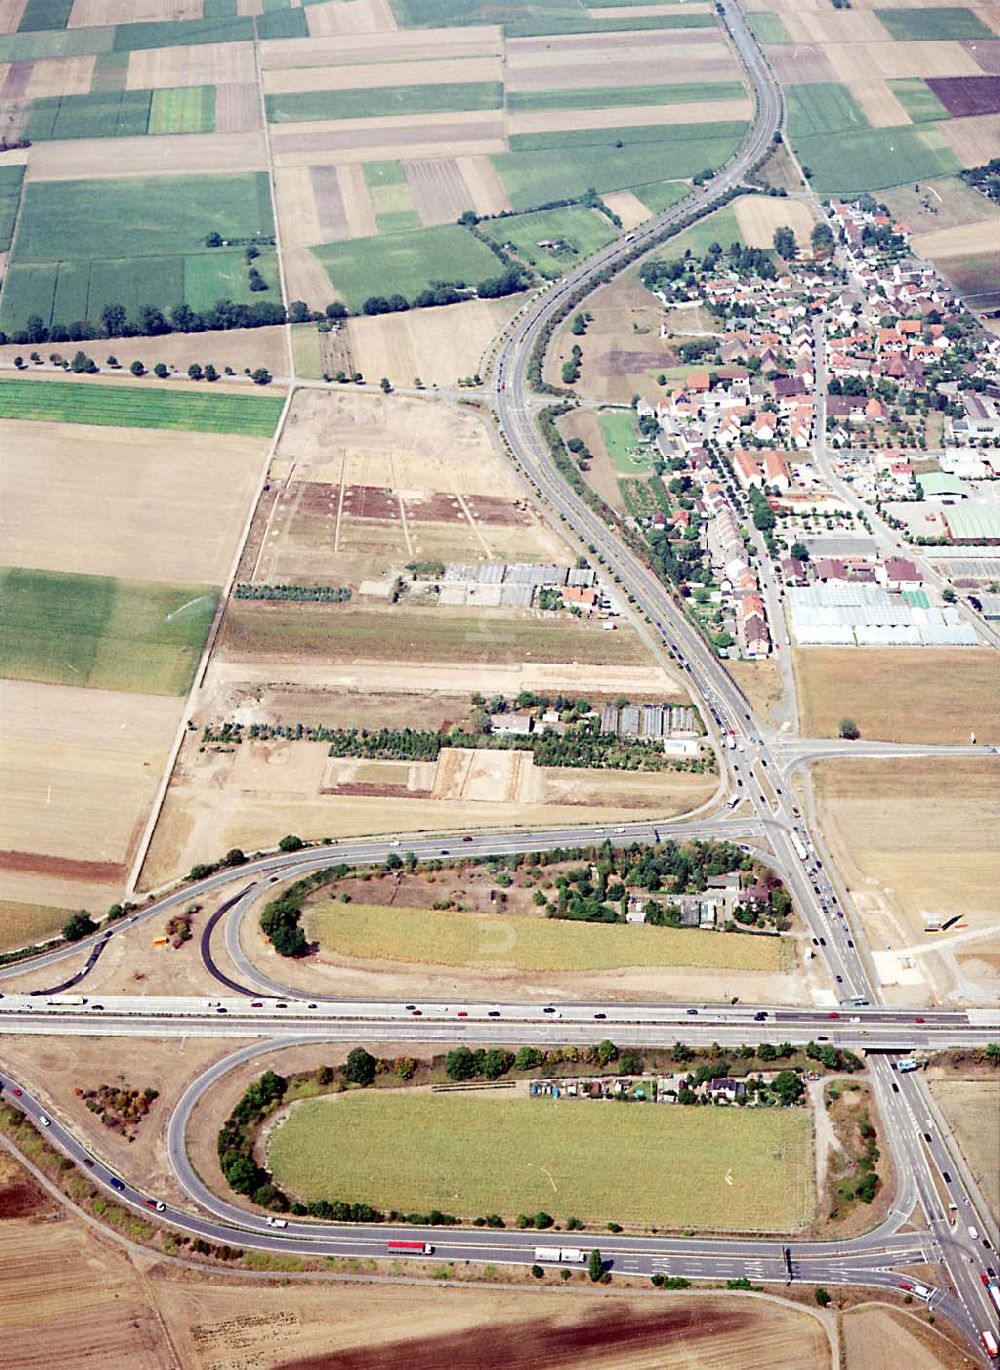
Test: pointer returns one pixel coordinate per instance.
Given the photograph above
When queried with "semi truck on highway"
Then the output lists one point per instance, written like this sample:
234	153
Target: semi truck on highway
990	1344
908	1064
564	1255
411	1248
800	847
65	1000
993	1289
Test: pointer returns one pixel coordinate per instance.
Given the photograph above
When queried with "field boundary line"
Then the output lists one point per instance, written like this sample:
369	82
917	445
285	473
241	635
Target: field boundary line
145	841
272	189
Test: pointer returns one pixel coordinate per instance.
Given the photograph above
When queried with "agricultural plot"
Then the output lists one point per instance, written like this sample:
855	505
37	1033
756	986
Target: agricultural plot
373	933
622	445
541	18
185	109
303	106
940	24
551	241
608	97
11	180
971	1107
128	406
115	509
405	263
481	1155
876	159
111	114
78	771
759	215
102	632
83	244
962	96
919	100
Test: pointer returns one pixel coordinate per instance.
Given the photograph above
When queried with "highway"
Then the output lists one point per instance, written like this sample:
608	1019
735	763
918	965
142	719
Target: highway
757	767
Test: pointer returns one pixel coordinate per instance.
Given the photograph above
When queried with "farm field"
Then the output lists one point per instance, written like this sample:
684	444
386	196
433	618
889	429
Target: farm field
141	241
908	835
757	217
971	1108
116	508
234	347
875	1337
405	263
78	771
381	933
132	406
453	1146
438	345
47	1267
22	924
899	694
305	106
102	632
622	350
570	234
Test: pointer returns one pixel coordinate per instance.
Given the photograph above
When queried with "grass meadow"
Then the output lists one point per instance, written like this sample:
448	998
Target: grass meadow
622	444
11	180
582	231
949	22
133	406
405	263
432	937
101	632
535	18
919	101
737	1170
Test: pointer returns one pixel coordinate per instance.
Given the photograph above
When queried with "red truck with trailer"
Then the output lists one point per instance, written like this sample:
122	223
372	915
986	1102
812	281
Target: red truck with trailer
411	1248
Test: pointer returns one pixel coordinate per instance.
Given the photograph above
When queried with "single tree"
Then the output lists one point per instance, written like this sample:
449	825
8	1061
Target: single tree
360	1066
849	729
595	1266
79	925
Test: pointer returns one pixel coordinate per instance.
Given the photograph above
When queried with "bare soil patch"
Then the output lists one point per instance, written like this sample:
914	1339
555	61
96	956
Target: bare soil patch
486	190
972	1107
582	423
760	681
192	154
358	16
237	107
628	207
306	279
974	141
986	56
960	241
622	348
298	211
879	1338
11	14
115	509
964	95
357	202
381	139
804	63
403	45
824	26
880	105
893	60
438	188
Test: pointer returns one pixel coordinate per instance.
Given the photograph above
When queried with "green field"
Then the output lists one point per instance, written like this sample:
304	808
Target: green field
32	47
107	114
100	632
919	101
721	227
145	216
621	444
607	97
133	406
948	22
555	166
177	33
534	18
392	200
826	107
11	180
738	1170
875	159
405	263
660	196
432	937
767	28
45	14
185	109
83	244
581	231
302	106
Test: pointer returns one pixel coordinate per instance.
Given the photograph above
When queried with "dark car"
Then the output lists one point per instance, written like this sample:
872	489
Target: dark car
445	851
895	1087
117	1184
760	1016
257	1003
221	1009
840	979
548	1009
88	1162
493	1013
600	1015
692	1010
946	1177
822	941
466	839
927	1136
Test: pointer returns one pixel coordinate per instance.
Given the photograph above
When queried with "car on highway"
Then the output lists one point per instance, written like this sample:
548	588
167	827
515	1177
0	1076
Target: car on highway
467	838
760	1016
974	1233
155	1203
548	1009
895	1087
45	1122
445	851
692	1011
600	1015
257	1003
947	1179
16	1092
920	1020
839	979
222	1009
833	1015
117	1184
493	1013
417	1012
277	1222
89	1162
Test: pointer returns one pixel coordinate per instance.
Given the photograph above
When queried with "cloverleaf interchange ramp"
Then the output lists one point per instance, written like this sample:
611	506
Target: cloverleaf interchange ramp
867	1260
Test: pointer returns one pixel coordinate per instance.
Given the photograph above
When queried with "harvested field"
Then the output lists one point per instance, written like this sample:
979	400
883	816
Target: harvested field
237	108
194	154
972	1107
617	59
975	140
861	61
438	345
880	104
59	76
955	204
115	509
827	26
627	116
297	210
306	280
11	13
623	351
965	95
961	241
23	924
986	56
204	64
355	197
332	17
802	63
96	13
78	771
759	215
899	695
428	45
272	632
286	80
909	837
328	1146
439	191
629	208
880	1338
383	139
473	940
233	347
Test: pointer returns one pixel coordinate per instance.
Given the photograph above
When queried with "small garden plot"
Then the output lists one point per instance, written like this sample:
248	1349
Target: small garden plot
628	455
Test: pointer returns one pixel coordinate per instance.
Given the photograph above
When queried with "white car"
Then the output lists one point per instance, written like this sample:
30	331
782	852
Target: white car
47	1122
974	1233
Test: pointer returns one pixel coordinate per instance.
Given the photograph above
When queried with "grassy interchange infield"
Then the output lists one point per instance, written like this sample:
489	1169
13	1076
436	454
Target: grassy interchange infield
738	1170
101	632
131	406
433	937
